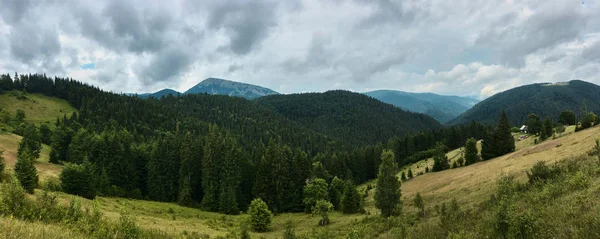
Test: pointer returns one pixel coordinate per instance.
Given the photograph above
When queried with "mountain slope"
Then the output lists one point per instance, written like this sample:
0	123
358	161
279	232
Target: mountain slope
160	93
214	86
349	116
543	99
441	107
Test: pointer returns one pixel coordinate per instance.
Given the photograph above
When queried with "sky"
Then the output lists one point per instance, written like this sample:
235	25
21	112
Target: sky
461	47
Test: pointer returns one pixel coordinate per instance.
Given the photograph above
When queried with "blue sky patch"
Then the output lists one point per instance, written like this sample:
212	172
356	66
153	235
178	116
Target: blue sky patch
88	66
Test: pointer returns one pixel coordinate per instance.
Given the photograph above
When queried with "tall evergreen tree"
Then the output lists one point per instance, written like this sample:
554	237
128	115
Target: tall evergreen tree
440	160
500	141
211	168
78	180
336	191
387	193
504	138
79	146
547	129
351	200
230	177
471	156
2	163
30	142
26	172
61	139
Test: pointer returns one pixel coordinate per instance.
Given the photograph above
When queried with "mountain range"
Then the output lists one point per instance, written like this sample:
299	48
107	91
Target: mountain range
543	99
215	86
443	108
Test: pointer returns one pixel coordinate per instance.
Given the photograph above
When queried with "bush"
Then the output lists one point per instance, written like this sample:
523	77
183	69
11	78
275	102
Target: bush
322	208
12	198
540	172
2	163
260	216
51	184
290	231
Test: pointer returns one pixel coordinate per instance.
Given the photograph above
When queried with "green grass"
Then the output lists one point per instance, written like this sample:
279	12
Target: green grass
38	108
16	229
10	144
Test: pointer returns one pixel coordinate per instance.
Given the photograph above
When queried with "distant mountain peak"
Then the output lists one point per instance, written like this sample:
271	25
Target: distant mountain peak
217	86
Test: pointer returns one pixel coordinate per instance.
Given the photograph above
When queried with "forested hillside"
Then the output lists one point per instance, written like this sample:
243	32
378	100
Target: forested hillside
544	100
219	152
350	116
443	108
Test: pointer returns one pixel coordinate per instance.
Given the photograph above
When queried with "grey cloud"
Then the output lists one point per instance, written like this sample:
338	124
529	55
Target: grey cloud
29	42
592	53
166	65
247	23
318	55
388	12
542	30
13	11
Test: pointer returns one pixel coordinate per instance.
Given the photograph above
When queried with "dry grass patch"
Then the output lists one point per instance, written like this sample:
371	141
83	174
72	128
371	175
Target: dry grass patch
10	144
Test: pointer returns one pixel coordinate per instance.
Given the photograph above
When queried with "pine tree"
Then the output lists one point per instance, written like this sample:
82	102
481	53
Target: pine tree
403	176
548	128
2	163
230	177
26	172
500	141
185	174
471	156
418	202
440	160
336	191
410	174
78	180
387	193
351	201
211	167
30	142
79	146
61	139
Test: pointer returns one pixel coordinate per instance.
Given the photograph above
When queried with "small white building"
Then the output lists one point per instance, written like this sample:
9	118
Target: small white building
523	129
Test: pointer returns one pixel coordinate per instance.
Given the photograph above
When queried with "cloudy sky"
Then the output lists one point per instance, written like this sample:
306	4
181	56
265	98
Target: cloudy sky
471	47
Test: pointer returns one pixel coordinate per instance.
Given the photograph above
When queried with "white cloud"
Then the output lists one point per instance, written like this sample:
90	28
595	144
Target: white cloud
465	47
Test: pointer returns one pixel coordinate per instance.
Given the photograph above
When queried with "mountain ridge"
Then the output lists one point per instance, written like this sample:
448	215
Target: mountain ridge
441	107
543	99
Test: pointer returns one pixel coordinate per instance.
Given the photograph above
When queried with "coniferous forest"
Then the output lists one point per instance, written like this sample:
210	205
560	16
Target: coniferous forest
219	153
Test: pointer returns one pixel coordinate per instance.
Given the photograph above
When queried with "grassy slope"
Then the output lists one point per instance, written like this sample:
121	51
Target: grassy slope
38	108
10	144
17	229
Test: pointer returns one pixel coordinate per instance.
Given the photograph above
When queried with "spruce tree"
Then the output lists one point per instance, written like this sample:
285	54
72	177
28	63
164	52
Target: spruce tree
30	142
351	200
78	180
548	127
471	156
336	191
403	176
26	172
410	174
211	167
230	177
418	202
387	192
504	139
440	160
2	163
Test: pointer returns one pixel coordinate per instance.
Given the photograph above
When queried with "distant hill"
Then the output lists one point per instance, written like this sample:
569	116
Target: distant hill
349	116
543	99
214	86
441	107
160	93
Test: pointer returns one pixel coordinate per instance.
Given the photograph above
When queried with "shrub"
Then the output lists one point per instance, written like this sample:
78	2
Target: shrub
12	198
290	231
351	201
260	216
2	163
51	184
322	208
540	172
127	227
